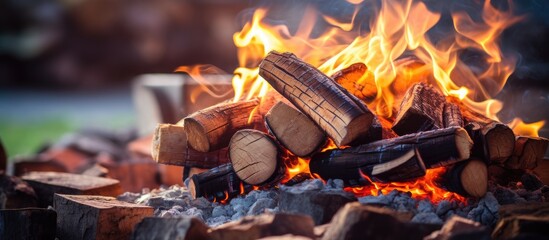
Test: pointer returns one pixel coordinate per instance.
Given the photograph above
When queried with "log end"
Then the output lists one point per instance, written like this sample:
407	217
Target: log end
193	187
197	135
168	142
254	156
464	144
500	142
357	128
474	178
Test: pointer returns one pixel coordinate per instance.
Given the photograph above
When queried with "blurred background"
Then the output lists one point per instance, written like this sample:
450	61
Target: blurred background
68	64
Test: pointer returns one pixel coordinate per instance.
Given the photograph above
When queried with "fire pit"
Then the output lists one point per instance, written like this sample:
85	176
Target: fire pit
338	130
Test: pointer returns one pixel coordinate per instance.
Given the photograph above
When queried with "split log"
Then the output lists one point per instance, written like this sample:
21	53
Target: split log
522	221
256	158
294	130
421	109
186	228
28	223
135	174
435	148
494	141
358	80
96	217
452	115
217	184
45	184
212	128
317	96
467	178
170	147
528	151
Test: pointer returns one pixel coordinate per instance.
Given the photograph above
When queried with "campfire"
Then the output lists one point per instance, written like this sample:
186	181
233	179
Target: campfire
383	110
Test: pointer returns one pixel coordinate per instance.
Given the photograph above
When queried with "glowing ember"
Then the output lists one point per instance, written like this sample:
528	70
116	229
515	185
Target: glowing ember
399	29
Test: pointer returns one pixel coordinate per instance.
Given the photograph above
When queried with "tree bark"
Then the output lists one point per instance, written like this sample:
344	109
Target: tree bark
452	115
435	148
217	184
170	147
421	109
212	128
528	151
294	130
316	95
256	158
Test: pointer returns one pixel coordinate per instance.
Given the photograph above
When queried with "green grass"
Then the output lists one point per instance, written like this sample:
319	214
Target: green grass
27	137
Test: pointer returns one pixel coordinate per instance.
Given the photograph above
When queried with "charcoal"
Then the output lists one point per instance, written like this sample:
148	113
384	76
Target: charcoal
531	182
15	193
260	205
425	206
28	223
486	212
170	228
428	217
443	207
507	196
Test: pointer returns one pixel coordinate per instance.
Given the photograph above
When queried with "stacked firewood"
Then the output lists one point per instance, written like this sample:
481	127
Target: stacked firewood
249	143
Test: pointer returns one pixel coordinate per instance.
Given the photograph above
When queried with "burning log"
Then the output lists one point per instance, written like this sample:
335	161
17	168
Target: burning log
468	178
217	184
294	130
170	147
256	158
403	155
494	141
212	128
528	151
316	95
452	115
421	109
358	81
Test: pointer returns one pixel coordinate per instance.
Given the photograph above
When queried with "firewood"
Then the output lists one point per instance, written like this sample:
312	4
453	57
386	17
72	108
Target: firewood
528	151
457	227
96	217
16	193
256	158
467	178
186	228
542	170
45	184
27	223
435	148
421	109
522	221
452	115
170	147
135	174
294	130
494	141
358	80
216	184
255	227
212	128
3	157
317	96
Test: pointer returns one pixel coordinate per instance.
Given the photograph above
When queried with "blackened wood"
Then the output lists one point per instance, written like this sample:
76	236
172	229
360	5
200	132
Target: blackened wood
522	221
186	228
212	128
170	147
467	178
256	158
298	178
452	115
16	193
421	109
217	184
528	151
436	148
294	130
28	223
358	80
316	95
3	157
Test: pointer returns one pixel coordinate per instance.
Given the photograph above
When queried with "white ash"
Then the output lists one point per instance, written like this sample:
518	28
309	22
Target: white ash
176	201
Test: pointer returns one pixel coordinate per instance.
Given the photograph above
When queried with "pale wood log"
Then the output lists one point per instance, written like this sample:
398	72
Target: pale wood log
212	128
170	147
317	96
358	80
494	141
256	158
27	223
528	151
452	115
186	228
96	217
294	130
467	178
216	184
436	148
421	109
45	184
